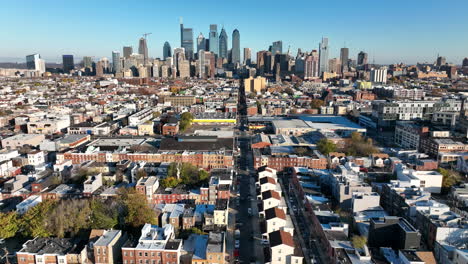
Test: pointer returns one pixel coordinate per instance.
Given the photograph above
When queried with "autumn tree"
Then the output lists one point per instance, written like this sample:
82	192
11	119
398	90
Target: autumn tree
316	103
136	209
357	145
325	146
359	241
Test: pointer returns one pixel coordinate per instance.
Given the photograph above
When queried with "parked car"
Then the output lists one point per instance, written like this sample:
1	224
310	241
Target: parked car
249	211
237	244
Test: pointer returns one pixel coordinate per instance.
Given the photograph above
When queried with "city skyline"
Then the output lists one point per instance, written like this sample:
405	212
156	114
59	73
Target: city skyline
410	36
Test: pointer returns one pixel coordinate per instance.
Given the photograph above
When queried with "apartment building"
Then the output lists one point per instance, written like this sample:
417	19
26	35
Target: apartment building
107	249
19	140
155	245
140	117
48	125
51	251
408	134
180	100
394	232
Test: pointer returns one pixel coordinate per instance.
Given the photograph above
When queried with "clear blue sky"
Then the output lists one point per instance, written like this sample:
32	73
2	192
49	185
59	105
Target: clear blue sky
390	31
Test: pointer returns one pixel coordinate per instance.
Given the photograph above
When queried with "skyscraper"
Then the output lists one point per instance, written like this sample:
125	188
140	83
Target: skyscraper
143	50
34	62
465	62
167	51
277	47
441	61
116	61
68	63
235	46
214	39
127	51
362	58
201	43
344	58
311	67
223	44
186	39
323	56
87	62
247	56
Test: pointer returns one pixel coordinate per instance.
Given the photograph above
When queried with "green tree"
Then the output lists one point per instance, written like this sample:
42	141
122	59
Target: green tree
185	233
316	103
359	241
450	177
34	224
9	224
326	146
103	216
136	209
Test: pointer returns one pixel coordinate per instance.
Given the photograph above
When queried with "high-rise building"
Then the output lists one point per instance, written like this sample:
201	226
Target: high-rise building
186	39
223	44
344	58
323	56
334	65
247	56
87	62
276	47
378	75
116	62
179	55
34	62
167	51
127	51
235	46
441	61
214	46
143	50
201	43
312	65
99	69
465	62
362	58
68	63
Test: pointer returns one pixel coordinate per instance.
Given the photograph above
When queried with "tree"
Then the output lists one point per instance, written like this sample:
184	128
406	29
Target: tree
185	121
185	233
103	216
357	145
34	224
170	182
289	91
136	209
69	217
156	114
9	224
450	177
326	146
316	103
359	241
141	173
259	107
301	151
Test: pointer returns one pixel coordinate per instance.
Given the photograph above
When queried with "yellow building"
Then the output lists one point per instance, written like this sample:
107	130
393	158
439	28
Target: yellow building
254	85
146	129
364	85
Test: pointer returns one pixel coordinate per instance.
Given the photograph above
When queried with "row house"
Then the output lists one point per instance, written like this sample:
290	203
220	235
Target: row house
155	245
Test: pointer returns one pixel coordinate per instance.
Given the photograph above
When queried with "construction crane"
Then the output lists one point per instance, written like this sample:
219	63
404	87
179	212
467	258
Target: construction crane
146	34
